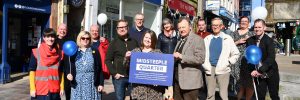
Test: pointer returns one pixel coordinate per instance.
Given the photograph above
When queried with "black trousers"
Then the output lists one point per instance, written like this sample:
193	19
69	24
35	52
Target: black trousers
67	86
271	84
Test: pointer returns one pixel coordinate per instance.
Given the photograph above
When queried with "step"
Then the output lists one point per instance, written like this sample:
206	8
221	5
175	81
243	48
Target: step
288	77
289	91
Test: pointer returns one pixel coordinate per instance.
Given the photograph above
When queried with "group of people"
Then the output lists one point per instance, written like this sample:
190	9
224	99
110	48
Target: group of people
203	61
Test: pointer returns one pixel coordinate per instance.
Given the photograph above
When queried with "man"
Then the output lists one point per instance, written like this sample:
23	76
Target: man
189	54
115	57
221	52
61	38
267	71
137	31
102	46
202	28
61	34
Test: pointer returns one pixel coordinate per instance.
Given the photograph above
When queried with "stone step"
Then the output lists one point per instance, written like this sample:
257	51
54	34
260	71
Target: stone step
291	78
289	91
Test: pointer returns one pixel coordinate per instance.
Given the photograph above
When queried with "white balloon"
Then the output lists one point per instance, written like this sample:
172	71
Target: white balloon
259	13
102	18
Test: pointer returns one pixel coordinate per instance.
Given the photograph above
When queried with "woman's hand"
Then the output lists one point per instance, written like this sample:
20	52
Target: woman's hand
100	88
128	54
70	77
32	93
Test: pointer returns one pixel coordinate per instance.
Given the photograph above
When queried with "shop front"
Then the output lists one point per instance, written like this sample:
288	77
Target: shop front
22	25
126	9
228	18
179	8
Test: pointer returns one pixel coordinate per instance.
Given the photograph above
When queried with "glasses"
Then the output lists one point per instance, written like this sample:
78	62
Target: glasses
123	27
85	38
139	19
216	25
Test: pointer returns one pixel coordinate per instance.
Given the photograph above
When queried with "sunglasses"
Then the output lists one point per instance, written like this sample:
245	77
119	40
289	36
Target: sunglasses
84	38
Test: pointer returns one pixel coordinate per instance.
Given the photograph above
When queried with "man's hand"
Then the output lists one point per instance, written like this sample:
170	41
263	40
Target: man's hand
100	88
117	76
70	77
102	39
255	73
32	93
177	55
128	54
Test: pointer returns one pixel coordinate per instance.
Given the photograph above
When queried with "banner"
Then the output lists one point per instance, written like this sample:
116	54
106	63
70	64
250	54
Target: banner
151	68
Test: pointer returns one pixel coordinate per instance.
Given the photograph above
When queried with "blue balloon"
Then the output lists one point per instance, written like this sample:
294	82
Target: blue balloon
253	54
70	48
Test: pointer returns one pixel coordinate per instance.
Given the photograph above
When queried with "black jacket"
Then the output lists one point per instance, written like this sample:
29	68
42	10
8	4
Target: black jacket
116	53
269	65
167	44
98	74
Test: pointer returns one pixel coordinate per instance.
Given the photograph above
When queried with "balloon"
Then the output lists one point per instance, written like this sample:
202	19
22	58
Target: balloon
253	54
70	48
102	18
259	13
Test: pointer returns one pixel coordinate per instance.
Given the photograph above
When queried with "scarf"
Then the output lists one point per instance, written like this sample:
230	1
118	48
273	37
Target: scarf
49	56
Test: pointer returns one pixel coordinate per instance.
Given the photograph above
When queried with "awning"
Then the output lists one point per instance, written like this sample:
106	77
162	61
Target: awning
157	2
182	7
227	14
41	6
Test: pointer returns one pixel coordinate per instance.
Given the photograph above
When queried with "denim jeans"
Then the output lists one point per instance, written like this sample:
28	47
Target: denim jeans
120	86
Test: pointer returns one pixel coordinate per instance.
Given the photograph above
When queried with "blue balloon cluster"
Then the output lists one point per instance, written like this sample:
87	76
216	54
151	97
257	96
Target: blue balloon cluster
70	48
253	54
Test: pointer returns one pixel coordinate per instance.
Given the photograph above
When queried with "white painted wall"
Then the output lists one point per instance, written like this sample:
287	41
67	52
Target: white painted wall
90	15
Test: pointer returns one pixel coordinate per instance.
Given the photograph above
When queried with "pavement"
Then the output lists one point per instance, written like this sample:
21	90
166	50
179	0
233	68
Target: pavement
289	68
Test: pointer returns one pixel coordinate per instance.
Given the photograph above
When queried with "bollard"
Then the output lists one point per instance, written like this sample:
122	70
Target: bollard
287	47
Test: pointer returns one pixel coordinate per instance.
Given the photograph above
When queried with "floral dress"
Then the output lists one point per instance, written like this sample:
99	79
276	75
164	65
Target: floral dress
144	91
84	89
239	75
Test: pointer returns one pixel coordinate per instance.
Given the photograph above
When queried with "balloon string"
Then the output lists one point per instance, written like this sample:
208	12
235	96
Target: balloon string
70	64
257	77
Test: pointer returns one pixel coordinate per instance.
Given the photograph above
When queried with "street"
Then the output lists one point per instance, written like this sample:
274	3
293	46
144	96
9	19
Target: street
289	72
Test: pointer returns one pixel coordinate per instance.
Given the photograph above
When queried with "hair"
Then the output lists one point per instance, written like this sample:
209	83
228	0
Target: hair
201	20
62	24
184	18
167	21
82	33
122	20
260	20
244	17
95	25
217	18
153	39
49	32
139	13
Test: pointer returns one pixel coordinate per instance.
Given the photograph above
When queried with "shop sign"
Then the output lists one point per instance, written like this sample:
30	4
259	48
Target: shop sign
182	6
42	6
112	10
157	2
212	5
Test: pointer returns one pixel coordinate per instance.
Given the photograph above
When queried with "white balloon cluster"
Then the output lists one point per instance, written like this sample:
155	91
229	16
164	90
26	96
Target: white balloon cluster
102	18
259	13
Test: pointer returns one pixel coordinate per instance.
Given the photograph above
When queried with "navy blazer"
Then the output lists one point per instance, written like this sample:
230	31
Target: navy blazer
269	65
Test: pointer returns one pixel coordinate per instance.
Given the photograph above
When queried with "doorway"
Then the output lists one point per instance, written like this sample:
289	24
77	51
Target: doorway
24	31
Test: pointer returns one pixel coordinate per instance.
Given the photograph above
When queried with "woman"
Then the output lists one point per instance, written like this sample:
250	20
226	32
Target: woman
46	81
167	40
241	78
142	91
86	74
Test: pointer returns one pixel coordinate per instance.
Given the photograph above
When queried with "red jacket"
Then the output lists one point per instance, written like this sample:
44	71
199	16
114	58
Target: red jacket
102	50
